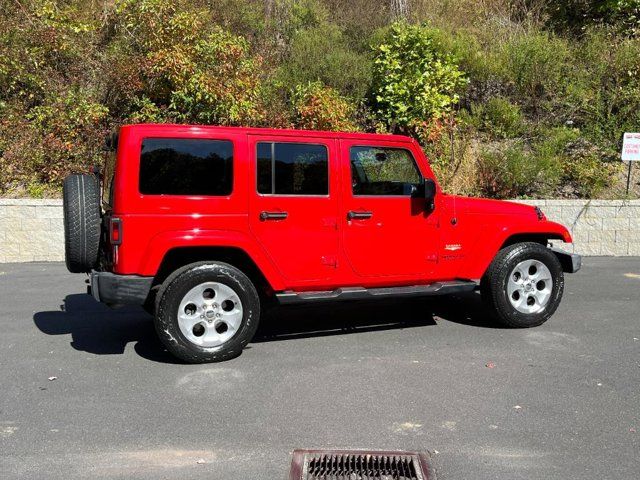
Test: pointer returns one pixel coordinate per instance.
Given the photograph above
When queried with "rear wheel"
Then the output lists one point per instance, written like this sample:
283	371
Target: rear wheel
523	285
82	221
207	312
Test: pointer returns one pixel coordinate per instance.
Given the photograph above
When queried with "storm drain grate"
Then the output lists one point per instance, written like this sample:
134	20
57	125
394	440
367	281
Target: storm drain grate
358	465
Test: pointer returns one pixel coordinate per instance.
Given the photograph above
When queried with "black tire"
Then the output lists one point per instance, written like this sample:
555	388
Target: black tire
82	221
493	286
176	286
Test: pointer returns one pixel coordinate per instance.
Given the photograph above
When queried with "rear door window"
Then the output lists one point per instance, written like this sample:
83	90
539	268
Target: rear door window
292	169
170	166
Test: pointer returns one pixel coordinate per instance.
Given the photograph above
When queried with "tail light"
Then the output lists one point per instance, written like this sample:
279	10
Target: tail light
115	231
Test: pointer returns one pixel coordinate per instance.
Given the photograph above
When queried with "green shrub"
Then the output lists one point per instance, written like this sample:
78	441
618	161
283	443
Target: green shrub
193	72
146	111
318	107
72	128
559	163
499	117
577	15
609	101
43	48
515	171
626	13
415	84
41	146
322	54
586	172
537	65
286	17
480	61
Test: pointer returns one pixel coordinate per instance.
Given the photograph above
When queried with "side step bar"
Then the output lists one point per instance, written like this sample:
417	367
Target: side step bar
360	293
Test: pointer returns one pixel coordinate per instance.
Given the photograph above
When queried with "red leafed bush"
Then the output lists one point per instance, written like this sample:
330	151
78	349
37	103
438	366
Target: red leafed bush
318	107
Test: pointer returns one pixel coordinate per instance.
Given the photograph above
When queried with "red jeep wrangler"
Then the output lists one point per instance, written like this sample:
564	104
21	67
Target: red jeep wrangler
204	225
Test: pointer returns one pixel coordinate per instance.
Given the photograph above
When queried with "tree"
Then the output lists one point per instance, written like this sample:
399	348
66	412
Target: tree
415	83
399	9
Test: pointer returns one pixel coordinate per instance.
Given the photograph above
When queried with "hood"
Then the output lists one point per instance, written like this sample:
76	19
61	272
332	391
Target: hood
495	207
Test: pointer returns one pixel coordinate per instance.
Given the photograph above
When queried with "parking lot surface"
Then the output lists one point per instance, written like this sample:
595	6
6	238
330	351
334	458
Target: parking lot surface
88	392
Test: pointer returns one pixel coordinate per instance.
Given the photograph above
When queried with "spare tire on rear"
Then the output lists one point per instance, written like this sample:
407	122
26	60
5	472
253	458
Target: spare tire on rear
81	195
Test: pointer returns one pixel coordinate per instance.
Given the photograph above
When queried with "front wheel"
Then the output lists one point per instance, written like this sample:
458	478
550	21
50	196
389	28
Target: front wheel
207	312
523	285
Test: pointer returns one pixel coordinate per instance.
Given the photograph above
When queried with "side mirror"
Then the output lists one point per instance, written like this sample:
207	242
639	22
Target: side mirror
429	193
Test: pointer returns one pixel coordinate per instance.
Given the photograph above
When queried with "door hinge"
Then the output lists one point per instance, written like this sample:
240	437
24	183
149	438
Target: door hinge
330	261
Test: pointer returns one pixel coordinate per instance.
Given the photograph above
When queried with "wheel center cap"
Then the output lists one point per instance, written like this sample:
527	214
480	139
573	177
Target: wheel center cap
209	314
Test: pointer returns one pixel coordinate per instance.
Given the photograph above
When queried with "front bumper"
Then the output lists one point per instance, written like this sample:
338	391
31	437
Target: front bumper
571	262
113	289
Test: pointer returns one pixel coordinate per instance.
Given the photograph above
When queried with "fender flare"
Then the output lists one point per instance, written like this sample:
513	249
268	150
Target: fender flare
164	242
485	251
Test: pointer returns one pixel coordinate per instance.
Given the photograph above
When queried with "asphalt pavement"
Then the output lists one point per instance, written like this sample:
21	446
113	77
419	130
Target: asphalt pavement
88	392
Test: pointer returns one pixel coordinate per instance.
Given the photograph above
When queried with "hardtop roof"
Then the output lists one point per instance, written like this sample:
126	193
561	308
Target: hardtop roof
270	131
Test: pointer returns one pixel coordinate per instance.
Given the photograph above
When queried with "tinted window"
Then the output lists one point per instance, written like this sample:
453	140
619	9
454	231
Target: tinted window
186	167
292	169
383	171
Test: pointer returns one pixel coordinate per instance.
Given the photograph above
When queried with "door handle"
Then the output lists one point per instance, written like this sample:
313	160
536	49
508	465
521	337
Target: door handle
353	215
273	215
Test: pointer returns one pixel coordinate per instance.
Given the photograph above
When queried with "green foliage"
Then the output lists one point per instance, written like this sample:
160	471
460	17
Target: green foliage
71	128
559	162
585	171
516	172
36	190
536	64
626	13
415	83
548	87
201	74
43	145
322	54
295	15
499	117
318	107
578	15
609	98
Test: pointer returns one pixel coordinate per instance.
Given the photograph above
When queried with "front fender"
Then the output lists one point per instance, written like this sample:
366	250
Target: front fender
505	232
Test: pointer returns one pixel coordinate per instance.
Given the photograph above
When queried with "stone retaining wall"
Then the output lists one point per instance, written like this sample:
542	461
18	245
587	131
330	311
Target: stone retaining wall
31	230
598	227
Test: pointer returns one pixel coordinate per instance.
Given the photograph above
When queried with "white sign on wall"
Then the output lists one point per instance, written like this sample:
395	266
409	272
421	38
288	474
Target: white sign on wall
631	147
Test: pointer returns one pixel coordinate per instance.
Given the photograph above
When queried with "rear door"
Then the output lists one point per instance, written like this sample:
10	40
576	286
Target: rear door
294	202
387	231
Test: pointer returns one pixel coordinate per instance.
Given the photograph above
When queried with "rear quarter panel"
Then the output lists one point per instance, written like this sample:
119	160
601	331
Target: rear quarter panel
154	224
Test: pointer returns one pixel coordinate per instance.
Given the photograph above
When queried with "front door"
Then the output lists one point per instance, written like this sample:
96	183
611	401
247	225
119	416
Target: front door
293	211
387	230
